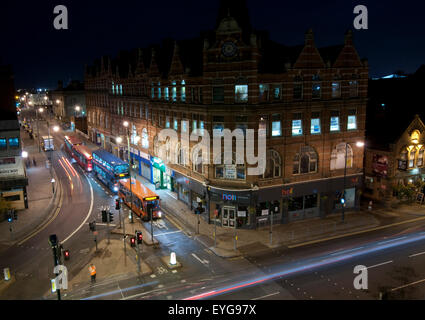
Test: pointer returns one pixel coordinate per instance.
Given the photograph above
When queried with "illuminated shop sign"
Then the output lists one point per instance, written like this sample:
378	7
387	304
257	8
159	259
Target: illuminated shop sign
229	197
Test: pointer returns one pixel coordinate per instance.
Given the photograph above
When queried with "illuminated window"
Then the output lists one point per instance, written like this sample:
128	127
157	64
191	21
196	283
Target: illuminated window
183	91
338	156
415	137
3	144
167	122
184	126
277	90
334	121
176	124
14	143
315	123
166	93
297	127
121	89
276	126
420	162
264	92
113	88
159	90
201	126
241	93
174	91
352	122
152	91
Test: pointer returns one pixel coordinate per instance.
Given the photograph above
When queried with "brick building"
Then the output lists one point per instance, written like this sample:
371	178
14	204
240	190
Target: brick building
311	100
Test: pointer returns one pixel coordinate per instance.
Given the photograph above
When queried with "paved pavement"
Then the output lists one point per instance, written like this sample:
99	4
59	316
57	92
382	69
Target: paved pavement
41	200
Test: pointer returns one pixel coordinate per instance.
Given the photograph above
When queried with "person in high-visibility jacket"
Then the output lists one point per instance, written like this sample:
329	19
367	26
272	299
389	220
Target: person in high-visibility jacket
92	270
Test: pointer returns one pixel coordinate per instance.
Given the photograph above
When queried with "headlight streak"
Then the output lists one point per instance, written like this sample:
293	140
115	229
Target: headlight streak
326	260
120	290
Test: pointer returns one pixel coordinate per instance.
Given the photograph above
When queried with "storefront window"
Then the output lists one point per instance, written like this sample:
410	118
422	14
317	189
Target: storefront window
310	201
295	204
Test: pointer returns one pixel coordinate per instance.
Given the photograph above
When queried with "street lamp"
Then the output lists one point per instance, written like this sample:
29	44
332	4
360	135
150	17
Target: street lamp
36	118
24	154
119	141
359	144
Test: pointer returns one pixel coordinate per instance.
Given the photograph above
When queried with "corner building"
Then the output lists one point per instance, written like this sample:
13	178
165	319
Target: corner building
311	101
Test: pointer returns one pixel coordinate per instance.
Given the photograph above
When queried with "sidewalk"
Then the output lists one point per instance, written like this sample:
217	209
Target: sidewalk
41	201
111	264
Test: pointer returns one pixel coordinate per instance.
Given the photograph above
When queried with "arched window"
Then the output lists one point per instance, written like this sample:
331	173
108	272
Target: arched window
305	161
338	156
180	155
273	166
145	138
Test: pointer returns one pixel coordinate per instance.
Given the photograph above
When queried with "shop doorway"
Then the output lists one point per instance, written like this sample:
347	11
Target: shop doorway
228	217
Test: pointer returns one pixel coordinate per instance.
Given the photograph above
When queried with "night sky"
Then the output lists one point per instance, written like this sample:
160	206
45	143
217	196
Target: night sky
41	55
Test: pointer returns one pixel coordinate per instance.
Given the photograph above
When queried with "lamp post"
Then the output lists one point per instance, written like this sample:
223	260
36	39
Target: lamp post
358	144
126	125
36	118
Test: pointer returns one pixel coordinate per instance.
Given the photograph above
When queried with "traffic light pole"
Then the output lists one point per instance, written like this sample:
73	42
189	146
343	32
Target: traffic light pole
123	225
107	223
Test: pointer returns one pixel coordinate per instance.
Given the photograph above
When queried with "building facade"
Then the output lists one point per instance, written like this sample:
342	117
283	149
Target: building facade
13	179
69	102
311	101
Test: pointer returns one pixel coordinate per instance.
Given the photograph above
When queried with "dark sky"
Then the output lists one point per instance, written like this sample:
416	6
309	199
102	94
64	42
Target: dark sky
41	55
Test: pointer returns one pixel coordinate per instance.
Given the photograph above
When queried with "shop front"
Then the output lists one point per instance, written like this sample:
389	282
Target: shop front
162	177
140	161
192	192
307	200
231	209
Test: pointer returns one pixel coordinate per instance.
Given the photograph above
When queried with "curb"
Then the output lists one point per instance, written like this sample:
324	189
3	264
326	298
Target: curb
46	216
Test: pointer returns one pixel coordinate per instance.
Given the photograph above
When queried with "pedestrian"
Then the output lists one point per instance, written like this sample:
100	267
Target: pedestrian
92	270
34	162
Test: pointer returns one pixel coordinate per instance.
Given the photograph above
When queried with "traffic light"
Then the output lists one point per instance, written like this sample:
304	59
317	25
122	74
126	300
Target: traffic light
92	226
111	216
104	216
139	237
133	241
9	217
66	254
15	215
53	240
117	204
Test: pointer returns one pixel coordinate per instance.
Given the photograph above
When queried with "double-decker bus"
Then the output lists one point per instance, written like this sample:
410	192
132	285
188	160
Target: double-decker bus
142	196
84	156
70	142
109	169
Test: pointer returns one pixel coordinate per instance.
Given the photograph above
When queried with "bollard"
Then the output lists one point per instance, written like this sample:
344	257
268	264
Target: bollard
6	274
173	260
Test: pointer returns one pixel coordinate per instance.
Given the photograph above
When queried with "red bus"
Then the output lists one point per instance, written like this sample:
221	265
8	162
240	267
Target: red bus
83	155
70	142
142	196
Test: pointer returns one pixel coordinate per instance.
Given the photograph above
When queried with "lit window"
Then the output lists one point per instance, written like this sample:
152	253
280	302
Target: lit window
183	91
352	123
315	124
334	121
420	158
14	143
201	126
184	126
113	88
167	122
241	93
194	125
176	124
297	128
159	90
152	91
3	144
174	91
276	126
264	92
166	93
412	154
276	92
121	89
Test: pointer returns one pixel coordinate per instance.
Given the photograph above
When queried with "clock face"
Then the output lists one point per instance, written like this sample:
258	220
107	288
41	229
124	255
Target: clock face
229	49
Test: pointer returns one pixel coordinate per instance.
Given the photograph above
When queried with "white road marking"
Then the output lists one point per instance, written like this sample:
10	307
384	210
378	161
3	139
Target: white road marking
416	254
266	296
165	233
174	271
153	276
199	259
88	214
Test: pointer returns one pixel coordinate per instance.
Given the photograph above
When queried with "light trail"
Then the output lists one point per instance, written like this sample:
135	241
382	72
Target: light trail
308	265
